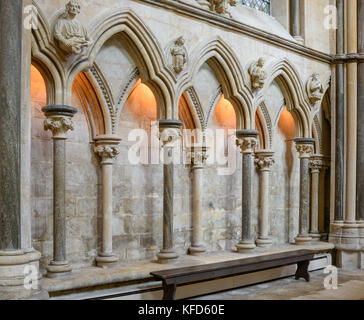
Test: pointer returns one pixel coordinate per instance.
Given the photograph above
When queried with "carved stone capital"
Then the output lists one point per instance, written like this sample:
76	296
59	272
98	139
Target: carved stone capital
59	120
59	126
316	163
246	140
106	147
305	147
264	160
107	153
169	132
199	156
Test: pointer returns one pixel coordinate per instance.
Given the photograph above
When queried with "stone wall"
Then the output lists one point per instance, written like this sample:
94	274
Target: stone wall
138	189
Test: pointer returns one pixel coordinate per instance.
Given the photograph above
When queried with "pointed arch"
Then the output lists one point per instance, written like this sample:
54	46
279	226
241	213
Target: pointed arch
144	49
91	103
223	61
44	53
287	78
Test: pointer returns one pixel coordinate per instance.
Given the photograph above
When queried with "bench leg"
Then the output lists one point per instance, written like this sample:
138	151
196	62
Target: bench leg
302	270
169	291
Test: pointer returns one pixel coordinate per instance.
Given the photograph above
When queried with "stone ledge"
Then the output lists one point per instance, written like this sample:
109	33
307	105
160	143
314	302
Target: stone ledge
139	271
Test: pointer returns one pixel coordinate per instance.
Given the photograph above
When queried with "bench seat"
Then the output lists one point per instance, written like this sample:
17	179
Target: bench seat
173	277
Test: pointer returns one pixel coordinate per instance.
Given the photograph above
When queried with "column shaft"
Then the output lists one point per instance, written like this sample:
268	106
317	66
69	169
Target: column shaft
107	209
339	117
246	198
168	206
264	205
197	207
59	224
304	198
315	178
10	135
360	115
295	18
351	115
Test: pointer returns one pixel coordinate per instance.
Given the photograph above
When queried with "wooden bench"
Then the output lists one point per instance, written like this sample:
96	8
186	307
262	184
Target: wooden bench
173	277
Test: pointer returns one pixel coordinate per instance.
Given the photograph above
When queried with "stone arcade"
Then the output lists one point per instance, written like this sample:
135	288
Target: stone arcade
86	84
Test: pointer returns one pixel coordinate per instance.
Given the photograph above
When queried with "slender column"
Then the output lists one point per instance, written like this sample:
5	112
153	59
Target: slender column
339	118
305	148
58	120
360	115
264	161
106	149
246	140
351	115
296	20
198	156
169	134
315	166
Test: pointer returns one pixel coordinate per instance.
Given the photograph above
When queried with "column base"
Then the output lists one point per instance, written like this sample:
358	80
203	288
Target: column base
244	246
39	295
58	269
350	258
12	277
361	235
303	240
350	234
166	256
315	236
106	261
264	242
299	39
197	250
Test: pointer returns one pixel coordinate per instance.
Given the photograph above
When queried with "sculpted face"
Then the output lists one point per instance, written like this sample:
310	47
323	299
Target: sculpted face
73	8
261	62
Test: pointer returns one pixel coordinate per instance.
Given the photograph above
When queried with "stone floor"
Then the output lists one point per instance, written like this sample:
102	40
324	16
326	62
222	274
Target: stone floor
350	287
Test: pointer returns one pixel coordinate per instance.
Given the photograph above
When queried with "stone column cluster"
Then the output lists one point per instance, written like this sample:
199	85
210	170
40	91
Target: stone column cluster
169	134
106	147
198	157
59	122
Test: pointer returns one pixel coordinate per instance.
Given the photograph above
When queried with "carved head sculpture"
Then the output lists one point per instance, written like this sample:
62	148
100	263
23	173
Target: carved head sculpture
315	77
261	62
73	7
180	41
